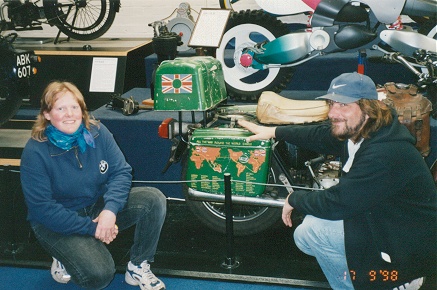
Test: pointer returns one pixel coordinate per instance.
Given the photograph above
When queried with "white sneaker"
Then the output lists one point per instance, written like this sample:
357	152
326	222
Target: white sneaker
59	273
413	285
143	277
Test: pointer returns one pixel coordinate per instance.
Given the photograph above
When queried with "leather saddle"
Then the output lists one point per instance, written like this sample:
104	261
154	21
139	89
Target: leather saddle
275	109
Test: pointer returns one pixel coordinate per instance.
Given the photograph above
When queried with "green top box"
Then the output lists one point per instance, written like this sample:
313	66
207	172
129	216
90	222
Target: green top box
189	84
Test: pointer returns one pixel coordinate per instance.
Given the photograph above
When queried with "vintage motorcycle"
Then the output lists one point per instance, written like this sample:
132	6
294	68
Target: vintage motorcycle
17	67
263	172
259	52
78	19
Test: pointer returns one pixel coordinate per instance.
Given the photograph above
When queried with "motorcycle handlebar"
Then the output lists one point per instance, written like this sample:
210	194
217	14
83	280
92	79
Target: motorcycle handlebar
316	160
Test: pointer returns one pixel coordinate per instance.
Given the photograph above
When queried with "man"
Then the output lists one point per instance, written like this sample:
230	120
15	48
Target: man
375	229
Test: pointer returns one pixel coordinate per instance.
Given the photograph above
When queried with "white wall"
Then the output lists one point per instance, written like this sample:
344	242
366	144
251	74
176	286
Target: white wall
135	15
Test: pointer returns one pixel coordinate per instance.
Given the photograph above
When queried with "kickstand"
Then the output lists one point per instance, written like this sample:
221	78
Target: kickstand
56	41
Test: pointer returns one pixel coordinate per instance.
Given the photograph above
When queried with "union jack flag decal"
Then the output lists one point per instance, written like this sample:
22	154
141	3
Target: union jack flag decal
177	83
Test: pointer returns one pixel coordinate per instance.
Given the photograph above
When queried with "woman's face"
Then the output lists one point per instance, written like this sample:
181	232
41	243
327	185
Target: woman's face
66	114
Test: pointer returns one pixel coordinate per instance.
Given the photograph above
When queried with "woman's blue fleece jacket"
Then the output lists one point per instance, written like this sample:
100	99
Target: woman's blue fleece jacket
56	182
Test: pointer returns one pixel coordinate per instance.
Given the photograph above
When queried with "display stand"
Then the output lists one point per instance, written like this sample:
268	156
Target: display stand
99	68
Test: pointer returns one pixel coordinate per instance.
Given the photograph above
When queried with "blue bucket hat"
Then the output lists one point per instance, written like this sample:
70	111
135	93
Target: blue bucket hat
351	87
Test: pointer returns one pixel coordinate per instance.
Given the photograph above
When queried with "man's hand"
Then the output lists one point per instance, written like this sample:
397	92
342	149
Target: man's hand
106	230
286	214
261	132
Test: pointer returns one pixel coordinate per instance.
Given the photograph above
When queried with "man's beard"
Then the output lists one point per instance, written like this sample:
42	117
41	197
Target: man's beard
348	132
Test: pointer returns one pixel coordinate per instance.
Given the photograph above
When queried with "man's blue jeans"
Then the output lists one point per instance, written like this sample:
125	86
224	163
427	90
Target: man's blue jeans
324	239
87	259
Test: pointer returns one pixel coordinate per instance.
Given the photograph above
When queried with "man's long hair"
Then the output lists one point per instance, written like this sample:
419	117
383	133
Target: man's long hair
380	115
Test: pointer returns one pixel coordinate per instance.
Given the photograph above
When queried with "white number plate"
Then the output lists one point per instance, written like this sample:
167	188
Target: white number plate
23	66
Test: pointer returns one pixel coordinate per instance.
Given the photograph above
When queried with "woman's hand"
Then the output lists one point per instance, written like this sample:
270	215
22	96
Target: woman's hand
261	132
106	230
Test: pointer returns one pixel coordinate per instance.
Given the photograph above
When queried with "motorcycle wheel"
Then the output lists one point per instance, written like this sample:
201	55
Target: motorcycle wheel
237	5
245	29
225	4
248	220
429	28
80	19
10	99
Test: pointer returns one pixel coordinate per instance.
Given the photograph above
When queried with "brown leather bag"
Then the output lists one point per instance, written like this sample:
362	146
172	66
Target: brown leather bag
413	111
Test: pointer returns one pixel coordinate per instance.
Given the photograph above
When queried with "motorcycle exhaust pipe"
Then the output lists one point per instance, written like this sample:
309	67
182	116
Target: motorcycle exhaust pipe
236	199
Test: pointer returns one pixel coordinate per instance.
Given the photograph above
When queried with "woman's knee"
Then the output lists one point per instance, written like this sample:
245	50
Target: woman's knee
97	277
151	197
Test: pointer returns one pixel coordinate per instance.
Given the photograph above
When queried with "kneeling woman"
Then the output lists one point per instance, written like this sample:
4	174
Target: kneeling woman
77	187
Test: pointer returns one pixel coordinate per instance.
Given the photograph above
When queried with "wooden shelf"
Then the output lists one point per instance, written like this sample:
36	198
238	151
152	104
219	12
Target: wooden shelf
99	47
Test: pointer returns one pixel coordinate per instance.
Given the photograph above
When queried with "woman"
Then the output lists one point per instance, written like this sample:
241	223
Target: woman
77	187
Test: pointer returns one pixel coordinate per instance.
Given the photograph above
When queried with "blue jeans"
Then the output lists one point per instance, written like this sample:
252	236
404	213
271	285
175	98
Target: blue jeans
87	259
324	239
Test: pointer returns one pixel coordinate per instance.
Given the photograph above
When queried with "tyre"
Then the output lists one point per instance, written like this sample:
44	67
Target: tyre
429	27
237	5
12	88
248	220
225	4
81	19
10	99
245	29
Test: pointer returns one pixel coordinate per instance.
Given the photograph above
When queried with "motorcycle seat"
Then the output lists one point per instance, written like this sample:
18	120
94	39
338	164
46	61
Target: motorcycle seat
276	109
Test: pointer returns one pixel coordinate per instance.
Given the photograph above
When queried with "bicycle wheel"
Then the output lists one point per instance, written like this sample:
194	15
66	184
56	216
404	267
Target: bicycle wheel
81	19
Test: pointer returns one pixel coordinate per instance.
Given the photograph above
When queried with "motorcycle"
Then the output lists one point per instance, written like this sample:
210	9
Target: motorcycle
17	67
79	19
259	52
264	172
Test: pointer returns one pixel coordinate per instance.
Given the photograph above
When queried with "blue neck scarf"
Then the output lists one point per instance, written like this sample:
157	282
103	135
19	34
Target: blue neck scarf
80	138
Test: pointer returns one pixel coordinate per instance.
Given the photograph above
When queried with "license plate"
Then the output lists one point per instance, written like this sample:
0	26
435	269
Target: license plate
23	65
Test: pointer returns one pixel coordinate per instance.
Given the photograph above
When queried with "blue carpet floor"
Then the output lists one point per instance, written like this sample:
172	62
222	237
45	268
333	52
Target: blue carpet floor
12	278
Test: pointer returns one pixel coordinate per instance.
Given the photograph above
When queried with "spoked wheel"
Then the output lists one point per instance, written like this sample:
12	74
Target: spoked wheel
245	29
81	19
248	220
